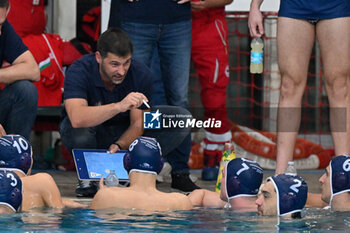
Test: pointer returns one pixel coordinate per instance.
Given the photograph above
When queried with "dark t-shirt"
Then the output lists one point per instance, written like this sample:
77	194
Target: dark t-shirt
11	45
83	80
153	11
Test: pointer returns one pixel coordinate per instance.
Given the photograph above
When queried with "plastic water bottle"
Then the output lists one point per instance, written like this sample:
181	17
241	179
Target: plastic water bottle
112	179
256	56
227	156
291	170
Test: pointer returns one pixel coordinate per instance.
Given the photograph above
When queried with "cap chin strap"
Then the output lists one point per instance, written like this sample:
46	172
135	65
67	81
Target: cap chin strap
11	207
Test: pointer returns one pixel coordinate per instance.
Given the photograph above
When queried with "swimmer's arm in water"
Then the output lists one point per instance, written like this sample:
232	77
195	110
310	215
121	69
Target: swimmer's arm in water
180	202
49	191
72	204
206	198
314	200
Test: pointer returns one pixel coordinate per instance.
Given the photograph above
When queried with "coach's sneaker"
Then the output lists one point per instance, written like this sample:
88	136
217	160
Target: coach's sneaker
183	182
86	188
165	173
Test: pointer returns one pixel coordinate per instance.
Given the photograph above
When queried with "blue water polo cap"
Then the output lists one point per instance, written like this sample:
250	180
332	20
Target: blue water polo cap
243	178
144	155
15	153
291	192
10	190
340	174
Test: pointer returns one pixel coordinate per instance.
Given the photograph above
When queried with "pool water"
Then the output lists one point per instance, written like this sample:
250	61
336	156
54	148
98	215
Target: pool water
197	220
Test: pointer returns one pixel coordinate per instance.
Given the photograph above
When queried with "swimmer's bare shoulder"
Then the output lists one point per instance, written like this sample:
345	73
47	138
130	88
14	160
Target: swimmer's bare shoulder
44	185
39	181
105	197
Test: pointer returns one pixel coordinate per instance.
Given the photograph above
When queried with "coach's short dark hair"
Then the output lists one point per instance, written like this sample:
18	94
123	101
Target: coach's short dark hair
114	41
4	3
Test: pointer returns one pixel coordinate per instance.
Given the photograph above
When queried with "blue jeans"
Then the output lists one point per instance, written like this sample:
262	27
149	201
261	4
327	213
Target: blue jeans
158	94
102	136
18	107
173	44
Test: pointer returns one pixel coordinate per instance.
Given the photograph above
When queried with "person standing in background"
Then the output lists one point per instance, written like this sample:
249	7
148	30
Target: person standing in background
299	24
210	54
165	26
103	94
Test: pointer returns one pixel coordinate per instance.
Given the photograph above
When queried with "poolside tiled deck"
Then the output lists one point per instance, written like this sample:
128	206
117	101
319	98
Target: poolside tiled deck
67	180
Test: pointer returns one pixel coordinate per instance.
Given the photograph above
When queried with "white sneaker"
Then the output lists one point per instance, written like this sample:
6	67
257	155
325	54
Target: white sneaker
193	178
165	172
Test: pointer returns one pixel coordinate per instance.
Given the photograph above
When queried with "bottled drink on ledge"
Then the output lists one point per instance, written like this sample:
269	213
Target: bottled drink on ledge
291	170
112	179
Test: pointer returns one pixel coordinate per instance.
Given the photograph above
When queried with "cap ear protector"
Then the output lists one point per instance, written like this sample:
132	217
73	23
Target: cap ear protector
288	200
15	153
144	155
341	180
10	190
233	183
339	170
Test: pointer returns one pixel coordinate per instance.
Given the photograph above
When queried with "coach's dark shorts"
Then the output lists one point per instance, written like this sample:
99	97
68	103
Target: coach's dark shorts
314	9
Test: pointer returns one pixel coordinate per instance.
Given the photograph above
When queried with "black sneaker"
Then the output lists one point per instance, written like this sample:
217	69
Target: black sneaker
86	188
183	182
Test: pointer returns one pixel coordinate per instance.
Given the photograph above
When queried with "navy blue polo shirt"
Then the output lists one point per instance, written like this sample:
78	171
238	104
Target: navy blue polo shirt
11	45
83	81
154	11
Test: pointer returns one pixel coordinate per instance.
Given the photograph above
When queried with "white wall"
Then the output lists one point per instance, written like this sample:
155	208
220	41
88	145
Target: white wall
105	7
65	15
243	5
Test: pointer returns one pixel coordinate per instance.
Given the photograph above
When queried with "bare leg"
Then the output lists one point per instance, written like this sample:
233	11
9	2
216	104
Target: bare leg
334	38
295	39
